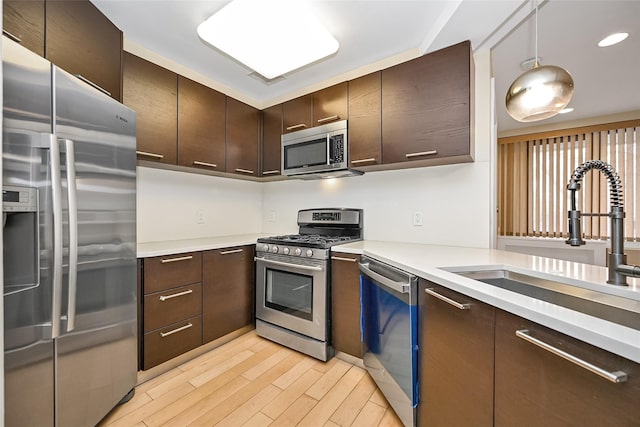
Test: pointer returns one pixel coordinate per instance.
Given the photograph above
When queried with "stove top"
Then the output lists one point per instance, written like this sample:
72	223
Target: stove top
309	240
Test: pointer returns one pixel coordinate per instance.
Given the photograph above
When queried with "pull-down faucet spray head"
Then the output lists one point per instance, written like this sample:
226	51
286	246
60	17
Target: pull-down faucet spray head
575	232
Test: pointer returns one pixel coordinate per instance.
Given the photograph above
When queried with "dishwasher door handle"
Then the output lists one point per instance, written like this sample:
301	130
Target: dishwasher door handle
401	287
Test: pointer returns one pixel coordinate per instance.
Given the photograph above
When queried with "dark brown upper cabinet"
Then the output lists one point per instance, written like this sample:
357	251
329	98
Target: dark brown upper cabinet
330	104
23	22
152	92
243	137
365	115
271	140
201	126
297	114
427	107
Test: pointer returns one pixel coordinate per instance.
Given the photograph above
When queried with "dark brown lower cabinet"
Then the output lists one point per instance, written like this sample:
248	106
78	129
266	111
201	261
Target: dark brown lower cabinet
171	341
227	291
535	387
345	304
456	358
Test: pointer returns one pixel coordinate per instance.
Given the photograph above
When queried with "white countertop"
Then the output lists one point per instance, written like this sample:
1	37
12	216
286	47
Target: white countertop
431	262
437	263
170	247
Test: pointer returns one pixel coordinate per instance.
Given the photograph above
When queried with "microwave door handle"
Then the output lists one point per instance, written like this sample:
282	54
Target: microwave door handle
328	149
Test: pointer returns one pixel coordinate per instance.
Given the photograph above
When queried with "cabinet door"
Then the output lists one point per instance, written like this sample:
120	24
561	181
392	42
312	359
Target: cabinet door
297	114
534	387
456	359
151	91
227	291
426	106
271	140
365	114
201	126
330	104
172	271
345	304
243	134
82	41
24	20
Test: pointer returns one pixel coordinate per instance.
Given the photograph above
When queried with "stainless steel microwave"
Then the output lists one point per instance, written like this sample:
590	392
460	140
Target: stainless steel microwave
320	151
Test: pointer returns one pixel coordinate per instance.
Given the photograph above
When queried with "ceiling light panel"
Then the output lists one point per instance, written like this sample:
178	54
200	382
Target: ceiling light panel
270	37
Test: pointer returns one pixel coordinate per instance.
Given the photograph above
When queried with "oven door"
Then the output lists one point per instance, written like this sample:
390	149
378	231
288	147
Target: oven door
292	295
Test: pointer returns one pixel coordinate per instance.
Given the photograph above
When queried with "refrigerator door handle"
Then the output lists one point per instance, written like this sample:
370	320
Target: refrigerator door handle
73	232
56	201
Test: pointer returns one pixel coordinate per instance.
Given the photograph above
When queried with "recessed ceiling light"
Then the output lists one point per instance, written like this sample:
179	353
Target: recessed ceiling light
612	39
565	110
270	37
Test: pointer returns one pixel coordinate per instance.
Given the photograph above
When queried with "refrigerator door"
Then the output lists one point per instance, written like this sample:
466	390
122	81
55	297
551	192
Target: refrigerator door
96	353
28	239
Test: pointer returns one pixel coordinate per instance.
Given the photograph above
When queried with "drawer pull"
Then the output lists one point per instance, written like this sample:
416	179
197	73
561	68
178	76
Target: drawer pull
92	84
273	172
232	251
244	171
181	328
338	258
179	294
298	126
421	153
614	377
12	36
329	119
433	293
357	162
147	154
182	258
209	165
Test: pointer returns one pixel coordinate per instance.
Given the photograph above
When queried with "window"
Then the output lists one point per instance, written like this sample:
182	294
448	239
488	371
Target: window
533	172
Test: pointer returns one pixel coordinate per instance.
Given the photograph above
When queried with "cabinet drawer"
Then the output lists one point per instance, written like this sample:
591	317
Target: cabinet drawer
171	271
171	341
171	305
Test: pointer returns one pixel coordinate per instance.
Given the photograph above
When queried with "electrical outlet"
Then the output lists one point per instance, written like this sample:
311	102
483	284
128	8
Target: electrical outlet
200	217
417	218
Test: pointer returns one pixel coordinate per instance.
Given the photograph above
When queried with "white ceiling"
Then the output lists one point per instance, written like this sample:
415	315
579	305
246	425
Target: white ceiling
371	32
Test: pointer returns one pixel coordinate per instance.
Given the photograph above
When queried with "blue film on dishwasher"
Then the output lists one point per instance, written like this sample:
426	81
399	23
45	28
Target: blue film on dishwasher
389	329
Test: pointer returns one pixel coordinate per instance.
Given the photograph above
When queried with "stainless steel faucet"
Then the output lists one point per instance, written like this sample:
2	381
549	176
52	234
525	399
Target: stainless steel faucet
618	269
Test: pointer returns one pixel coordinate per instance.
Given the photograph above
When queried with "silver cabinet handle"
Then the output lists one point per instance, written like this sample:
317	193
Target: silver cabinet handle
147	154
298	126
249	171
92	84
232	251
433	293
401	287
338	258
177	294
56	202
181	328
329	119
72	204
356	162
614	377
287	264
421	153
273	172
209	165
12	36
182	258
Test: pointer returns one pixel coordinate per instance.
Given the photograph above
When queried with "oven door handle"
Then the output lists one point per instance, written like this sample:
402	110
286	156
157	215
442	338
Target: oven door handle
290	265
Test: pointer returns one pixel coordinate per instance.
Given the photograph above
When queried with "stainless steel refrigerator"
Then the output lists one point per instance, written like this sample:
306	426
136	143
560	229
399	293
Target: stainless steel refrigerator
69	230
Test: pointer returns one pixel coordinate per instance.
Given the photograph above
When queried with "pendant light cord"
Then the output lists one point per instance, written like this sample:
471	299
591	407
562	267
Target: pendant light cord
536	63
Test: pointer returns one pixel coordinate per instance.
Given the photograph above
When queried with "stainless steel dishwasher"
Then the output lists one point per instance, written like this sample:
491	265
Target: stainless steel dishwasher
389	300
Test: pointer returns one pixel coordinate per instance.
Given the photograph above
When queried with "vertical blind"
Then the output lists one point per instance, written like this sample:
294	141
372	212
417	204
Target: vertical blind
534	169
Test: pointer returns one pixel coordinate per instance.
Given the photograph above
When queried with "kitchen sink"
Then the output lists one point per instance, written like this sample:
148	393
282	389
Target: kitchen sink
616	309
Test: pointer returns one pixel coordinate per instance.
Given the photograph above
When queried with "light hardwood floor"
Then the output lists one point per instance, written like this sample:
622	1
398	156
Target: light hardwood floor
253	382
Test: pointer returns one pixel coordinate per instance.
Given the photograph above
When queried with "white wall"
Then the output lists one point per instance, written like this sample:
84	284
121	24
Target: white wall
168	203
457	201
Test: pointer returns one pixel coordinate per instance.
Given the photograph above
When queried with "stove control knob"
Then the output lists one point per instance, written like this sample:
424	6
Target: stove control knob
274	249
309	253
264	248
285	251
298	251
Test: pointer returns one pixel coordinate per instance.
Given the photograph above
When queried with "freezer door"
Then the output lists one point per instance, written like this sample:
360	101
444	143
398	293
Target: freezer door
28	239
96	353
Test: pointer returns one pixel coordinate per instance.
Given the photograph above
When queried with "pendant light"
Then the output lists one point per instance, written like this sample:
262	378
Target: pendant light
541	92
